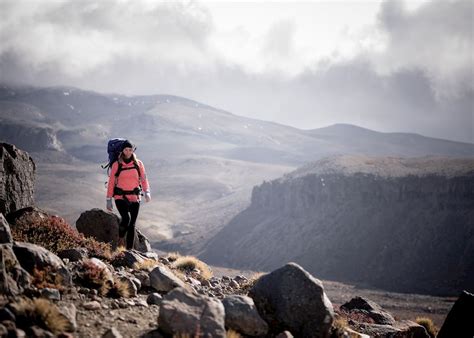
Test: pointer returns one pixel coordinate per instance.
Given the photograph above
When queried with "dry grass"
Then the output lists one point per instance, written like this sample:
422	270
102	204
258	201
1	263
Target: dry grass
40	312
93	276
233	334
172	256
120	289
188	263
147	265
428	324
251	281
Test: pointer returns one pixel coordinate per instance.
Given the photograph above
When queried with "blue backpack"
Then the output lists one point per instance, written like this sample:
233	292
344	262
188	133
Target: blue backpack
114	147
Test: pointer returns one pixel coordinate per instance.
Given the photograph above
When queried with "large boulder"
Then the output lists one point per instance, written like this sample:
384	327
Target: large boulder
458	323
289	298
369	308
34	257
104	225
163	279
26	215
242	316
13	278
187	314
5	232
17	178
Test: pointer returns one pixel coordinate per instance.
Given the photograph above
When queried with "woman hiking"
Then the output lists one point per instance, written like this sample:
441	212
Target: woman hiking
127	179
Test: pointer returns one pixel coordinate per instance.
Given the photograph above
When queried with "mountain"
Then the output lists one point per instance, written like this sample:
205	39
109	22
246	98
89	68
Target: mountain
402	224
202	161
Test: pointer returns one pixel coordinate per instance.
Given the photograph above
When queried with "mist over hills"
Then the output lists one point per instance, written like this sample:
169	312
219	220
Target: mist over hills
202	161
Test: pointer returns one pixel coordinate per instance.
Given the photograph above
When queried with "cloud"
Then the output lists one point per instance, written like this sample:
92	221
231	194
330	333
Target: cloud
437	38
411	71
77	38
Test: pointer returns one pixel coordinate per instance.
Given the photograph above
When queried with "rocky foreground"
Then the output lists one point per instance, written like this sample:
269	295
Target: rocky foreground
58	281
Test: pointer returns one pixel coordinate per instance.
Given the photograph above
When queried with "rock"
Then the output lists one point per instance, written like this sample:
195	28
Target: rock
240	279
182	312
163	279
141	302
6	314
291	299
25	216
404	328
458	322
13	278
36	331
154	298
93	305
5	232
193	281
143	277
17	178
137	283
69	313
33	256
103	226
112	333
51	294
242	316
370	308
128	258
73	255
3	331
234	284
285	334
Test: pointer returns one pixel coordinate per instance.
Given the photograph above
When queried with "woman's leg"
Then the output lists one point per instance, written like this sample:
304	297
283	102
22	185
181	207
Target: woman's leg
134	208
123	209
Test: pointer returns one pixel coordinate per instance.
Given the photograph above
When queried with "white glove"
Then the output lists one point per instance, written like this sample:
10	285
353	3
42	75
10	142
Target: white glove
147	196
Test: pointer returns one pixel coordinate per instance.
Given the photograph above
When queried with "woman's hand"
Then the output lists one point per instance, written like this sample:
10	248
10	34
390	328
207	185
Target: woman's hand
147	196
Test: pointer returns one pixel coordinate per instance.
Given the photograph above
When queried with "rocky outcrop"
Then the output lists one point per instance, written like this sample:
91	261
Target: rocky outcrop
5	232
291	299
369	308
17	178
398	224
458	323
103	226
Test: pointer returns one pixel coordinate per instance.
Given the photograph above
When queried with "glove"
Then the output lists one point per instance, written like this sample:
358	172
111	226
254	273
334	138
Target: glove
109	204
147	196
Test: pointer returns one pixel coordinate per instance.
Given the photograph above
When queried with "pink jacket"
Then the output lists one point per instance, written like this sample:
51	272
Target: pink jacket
127	180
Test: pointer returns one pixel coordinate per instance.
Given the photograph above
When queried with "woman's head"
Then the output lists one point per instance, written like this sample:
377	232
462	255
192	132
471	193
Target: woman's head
127	150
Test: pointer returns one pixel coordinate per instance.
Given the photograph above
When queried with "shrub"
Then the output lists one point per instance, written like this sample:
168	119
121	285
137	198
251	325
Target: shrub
55	234
46	278
172	256
189	263
40	312
428	324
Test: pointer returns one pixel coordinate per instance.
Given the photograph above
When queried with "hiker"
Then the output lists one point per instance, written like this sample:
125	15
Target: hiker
126	180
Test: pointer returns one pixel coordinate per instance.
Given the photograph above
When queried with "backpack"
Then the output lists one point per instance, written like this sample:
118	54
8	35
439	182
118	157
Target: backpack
114	147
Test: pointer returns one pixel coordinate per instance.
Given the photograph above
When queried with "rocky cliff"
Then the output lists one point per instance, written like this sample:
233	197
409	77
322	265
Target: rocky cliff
398	224
17	178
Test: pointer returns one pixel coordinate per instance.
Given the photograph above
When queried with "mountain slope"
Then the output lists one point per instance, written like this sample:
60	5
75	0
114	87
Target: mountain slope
398	224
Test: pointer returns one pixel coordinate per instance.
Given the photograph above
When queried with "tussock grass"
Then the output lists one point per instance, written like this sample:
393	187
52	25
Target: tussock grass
251	281
172	256
147	265
120	289
233	334
428	324
40	312
189	263
95	277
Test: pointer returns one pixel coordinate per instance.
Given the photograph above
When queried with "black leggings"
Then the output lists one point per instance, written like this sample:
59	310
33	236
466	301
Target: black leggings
129	213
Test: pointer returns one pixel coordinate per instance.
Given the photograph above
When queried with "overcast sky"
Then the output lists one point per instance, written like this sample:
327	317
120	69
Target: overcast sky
386	65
